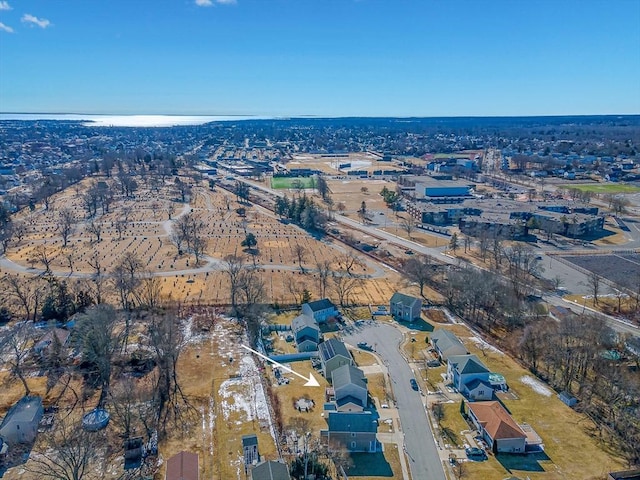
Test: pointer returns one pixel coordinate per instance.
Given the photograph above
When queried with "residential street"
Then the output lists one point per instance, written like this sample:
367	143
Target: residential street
424	459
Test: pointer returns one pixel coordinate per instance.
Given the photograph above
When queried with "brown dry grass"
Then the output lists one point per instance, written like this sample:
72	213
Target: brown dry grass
146	236
560	427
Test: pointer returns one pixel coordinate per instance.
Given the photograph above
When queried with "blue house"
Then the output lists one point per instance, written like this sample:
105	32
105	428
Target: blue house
320	310
354	431
306	332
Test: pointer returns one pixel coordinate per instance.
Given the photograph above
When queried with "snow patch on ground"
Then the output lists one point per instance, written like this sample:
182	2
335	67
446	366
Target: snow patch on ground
245	395
482	345
536	385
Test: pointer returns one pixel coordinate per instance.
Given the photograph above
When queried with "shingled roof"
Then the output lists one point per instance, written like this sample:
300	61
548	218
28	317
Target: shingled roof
496	421
466	364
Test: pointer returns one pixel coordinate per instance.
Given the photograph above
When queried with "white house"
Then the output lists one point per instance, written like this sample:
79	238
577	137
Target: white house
320	310
405	307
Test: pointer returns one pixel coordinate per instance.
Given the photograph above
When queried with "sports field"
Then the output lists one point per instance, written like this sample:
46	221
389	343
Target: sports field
606	188
291	182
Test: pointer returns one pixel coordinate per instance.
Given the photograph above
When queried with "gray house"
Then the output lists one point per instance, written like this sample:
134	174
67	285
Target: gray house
320	310
270	470
354	431
20	424
446	344
333	354
405	307
306	332
350	389
463	369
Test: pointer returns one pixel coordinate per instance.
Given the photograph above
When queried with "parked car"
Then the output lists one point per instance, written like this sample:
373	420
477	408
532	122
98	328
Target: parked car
474	453
414	384
365	346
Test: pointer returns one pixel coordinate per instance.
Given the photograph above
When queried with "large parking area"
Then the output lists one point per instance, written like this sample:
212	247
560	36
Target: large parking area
620	269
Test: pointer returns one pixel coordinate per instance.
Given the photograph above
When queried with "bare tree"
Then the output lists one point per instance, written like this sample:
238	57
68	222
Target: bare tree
409	225
15	348
95	229
6	235
299	251
66	453
324	272
66	223
349	261
25	292
344	286
171	403
295	288
150	291
98	282
233	268
594	282
419	269
42	255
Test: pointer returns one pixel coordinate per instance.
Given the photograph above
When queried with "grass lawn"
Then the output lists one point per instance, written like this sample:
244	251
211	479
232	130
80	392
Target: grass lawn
289	182
560	428
605	188
376	466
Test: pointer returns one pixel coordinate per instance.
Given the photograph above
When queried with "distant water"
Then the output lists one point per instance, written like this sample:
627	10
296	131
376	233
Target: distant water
129	120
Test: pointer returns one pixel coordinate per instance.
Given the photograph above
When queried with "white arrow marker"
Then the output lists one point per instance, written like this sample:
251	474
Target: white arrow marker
311	381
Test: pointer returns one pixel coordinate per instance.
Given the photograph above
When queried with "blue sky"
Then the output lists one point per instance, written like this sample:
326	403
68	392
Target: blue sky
321	57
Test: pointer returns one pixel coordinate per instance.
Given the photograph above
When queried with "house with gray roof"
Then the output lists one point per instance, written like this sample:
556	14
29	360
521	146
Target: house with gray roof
20	424
405	307
462	369
446	344
350	389
333	354
355	431
306	333
320	310
250	450
270	470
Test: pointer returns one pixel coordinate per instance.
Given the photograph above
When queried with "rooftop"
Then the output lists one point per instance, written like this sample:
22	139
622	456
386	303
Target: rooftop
348	374
352	422
319	305
496	420
183	466
465	364
404	299
332	348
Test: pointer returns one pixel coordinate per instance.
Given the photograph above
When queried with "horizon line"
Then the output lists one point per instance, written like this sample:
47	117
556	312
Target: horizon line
284	117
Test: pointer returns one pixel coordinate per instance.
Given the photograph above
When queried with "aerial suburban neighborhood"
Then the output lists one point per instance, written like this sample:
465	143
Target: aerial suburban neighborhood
316	298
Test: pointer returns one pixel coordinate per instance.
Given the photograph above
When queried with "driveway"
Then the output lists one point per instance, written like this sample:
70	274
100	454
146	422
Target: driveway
421	449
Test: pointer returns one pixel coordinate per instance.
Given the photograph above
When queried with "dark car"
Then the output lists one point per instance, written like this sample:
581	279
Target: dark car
475	453
414	384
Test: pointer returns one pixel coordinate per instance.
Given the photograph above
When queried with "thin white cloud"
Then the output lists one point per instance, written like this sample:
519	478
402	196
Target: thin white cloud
40	22
4	5
5	28
210	3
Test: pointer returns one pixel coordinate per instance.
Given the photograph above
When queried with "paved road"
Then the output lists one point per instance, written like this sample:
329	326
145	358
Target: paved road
421	449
